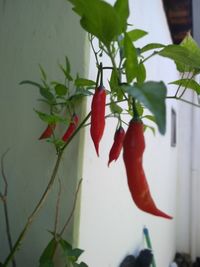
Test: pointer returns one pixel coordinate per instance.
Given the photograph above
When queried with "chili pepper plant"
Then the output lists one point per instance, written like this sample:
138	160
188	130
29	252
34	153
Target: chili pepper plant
109	26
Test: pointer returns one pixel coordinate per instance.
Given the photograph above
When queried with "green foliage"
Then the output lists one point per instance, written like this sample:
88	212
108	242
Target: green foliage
46	259
71	255
61	89
188	83
136	34
101	19
80	82
152	95
151	46
131	63
183	57
115	109
193	51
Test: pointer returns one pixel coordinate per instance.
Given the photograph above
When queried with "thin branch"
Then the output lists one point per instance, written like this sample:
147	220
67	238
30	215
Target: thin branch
150	56
186	84
5	206
35	211
73	209
183	100
3	173
57	209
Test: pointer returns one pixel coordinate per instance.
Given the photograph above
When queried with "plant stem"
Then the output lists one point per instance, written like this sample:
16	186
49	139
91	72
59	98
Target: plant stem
57	209
5	206
183	100
73	209
35	211
150	56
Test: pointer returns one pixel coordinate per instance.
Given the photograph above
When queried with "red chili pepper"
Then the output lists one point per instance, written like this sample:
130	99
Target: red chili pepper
48	131
117	145
71	128
98	116
134	145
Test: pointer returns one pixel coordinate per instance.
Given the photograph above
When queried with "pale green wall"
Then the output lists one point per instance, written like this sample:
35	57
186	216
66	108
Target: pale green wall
32	33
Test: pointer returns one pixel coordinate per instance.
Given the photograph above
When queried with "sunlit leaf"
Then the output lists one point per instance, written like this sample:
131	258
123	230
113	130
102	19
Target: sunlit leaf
152	95
136	34
131	63
151	46
188	83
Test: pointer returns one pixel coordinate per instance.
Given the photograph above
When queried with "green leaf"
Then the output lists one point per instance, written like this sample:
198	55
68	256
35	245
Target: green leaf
65	245
44	76
98	18
139	108
46	259
152	95
188	83
31	83
182	56
131	63
81	92
115	108
48	263
68	68
50	119
114	86
66	73
82	264
193	49
149	117
122	8
136	34
46	94
71	254
80	82
141	75
61	89
151	46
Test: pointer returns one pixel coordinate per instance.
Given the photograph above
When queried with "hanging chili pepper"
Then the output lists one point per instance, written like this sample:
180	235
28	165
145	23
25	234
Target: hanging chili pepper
98	116
117	145
71	128
134	145
48	131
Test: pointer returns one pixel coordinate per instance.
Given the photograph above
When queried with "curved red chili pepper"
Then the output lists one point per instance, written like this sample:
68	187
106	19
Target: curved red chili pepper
117	145
134	145
71	128
98	116
48	131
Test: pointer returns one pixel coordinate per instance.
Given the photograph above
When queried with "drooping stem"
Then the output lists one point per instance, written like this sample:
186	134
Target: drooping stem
5	207
57	209
35	211
73	208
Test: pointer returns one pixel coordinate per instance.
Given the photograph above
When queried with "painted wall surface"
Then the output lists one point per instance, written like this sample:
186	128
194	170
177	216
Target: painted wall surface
110	224
33	33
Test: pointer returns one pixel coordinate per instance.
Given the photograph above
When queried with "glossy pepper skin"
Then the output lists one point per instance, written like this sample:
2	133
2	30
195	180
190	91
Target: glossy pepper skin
98	116
117	145
133	149
48	131
71	128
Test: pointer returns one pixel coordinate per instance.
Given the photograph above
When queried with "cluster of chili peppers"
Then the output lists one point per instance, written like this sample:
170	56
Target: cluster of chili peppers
49	131
133	144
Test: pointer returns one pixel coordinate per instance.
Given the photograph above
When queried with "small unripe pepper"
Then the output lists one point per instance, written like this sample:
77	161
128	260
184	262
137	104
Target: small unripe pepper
71	128
98	116
117	145
48	131
134	145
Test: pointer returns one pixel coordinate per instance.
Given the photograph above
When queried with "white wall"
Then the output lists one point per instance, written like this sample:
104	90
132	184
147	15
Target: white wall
110	224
